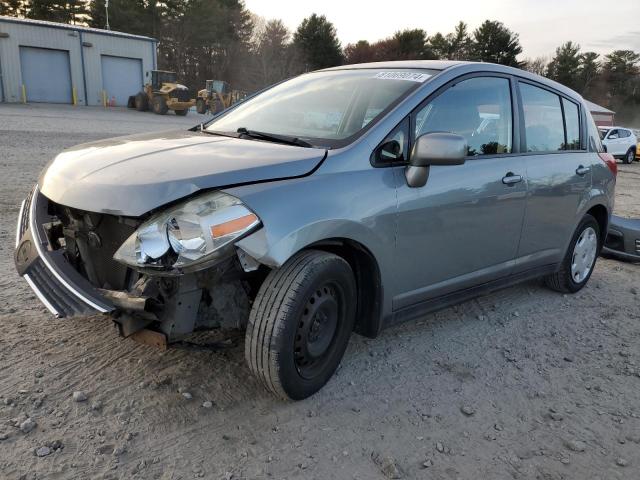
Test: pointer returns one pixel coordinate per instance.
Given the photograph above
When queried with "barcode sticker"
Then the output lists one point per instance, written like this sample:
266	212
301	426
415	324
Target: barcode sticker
410	76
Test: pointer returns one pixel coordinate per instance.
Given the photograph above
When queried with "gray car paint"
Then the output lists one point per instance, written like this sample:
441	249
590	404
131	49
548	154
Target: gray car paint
134	174
468	232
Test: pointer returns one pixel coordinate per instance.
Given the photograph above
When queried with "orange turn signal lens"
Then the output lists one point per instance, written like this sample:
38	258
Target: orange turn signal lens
233	226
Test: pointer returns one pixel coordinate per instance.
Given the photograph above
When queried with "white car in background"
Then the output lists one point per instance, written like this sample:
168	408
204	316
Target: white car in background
620	142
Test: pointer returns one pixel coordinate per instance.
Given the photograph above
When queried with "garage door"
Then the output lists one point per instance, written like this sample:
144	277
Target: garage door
46	74
121	77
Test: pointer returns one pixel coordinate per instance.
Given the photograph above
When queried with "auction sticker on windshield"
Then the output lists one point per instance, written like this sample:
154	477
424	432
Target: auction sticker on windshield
410	76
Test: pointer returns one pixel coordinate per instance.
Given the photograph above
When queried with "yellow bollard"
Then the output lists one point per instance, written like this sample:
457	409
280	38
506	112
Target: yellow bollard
24	94
104	99
74	95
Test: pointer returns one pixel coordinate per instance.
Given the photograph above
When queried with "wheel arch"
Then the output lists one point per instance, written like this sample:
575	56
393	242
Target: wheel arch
368	280
601	214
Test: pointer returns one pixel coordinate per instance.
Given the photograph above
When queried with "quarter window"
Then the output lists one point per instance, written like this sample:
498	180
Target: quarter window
479	109
572	123
543	124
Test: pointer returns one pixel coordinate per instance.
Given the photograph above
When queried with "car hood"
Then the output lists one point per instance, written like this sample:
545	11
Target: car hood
135	174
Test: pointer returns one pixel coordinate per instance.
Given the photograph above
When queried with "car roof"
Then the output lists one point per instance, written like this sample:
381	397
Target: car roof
468	67
615	126
426	64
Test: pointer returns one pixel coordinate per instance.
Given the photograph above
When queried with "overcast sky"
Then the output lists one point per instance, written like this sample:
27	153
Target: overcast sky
601	26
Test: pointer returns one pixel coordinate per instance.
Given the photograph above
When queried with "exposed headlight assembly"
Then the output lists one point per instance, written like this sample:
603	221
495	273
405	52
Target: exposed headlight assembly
187	237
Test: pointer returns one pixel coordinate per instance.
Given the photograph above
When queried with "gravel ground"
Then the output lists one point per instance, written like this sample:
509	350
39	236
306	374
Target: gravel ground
524	383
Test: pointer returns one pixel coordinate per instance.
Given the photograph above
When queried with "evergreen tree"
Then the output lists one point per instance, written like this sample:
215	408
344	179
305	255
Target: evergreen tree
493	42
318	43
565	66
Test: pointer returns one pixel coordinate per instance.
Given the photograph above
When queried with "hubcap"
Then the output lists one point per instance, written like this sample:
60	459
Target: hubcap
316	330
584	254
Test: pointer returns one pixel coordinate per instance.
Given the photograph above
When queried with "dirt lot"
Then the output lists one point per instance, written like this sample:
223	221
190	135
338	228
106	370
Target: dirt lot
525	383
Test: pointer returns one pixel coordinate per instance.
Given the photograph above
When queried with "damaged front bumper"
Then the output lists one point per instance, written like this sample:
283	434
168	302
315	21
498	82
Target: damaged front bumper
55	282
170	307
623	239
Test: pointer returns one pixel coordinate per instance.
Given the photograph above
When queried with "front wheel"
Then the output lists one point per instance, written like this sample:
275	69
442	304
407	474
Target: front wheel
580	259
160	105
300	324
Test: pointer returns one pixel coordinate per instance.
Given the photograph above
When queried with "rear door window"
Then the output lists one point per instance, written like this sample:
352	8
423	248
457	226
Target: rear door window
572	124
543	123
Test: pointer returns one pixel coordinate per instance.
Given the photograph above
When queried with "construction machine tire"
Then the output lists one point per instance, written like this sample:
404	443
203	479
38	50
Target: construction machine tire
160	105
217	106
201	106
182	113
141	102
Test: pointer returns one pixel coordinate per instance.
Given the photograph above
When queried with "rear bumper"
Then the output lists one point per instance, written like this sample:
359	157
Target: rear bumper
53	279
623	239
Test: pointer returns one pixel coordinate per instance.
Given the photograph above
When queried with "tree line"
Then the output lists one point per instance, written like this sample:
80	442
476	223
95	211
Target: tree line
221	39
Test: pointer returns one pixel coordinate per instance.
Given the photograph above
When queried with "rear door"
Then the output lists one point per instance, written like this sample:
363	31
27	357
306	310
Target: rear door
558	171
46	75
462	228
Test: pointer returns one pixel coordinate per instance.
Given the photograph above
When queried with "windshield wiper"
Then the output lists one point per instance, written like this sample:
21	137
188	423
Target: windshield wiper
215	132
272	137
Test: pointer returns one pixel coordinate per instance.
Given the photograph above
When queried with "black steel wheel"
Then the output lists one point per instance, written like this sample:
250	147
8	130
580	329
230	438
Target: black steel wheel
300	324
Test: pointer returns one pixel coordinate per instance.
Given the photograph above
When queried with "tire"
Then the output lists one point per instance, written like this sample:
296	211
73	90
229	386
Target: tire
217	106
630	156
160	105
201	106
141	102
567	279
300	324
182	113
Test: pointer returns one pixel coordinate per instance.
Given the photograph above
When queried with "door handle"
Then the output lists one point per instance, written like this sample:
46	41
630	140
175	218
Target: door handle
511	178
582	171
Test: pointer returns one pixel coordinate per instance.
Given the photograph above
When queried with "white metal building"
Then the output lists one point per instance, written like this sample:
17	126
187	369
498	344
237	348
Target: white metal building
57	63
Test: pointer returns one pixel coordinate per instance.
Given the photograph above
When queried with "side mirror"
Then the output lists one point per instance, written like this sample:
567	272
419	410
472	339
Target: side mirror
437	148
613	136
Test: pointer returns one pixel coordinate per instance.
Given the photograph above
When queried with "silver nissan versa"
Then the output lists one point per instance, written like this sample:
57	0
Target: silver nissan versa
342	200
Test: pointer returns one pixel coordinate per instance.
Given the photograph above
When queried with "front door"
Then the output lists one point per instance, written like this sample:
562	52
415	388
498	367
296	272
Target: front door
462	228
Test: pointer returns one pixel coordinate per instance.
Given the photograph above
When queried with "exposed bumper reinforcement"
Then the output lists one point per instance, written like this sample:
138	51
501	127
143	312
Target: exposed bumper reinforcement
55	282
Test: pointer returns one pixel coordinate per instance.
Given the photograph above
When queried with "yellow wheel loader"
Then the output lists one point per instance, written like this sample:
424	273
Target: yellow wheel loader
217	96
164	93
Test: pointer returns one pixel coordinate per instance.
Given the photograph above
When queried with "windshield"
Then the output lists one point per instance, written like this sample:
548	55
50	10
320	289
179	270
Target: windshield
325	108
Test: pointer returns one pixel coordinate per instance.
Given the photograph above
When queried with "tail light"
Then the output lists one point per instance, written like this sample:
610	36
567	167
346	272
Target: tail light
610	161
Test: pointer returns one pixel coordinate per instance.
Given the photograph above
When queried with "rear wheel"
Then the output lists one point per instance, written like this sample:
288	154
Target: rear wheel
160	105
579	260
217	106
141	102
182	113
630	156
300	324
201	106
